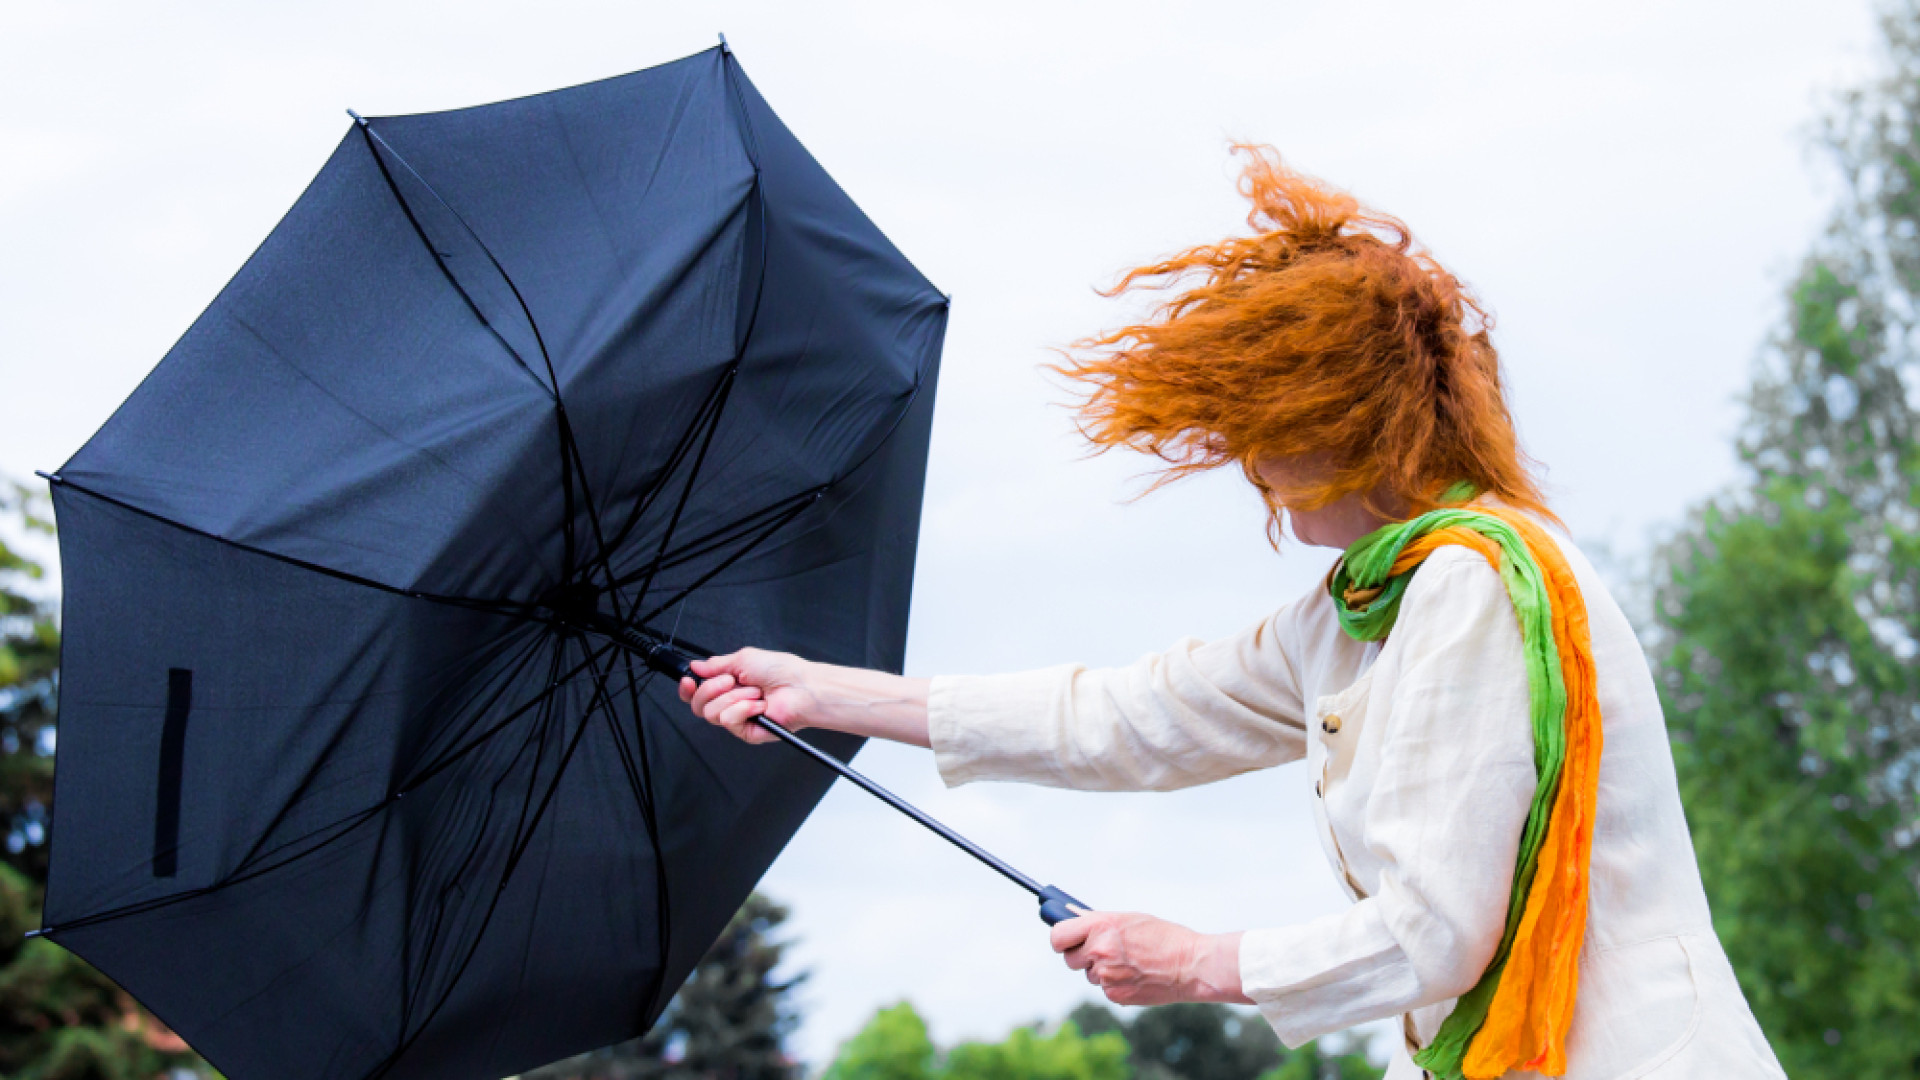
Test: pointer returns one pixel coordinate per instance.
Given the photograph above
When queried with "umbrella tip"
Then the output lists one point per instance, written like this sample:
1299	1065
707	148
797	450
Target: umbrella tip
724	47
37	933
357	118
51	478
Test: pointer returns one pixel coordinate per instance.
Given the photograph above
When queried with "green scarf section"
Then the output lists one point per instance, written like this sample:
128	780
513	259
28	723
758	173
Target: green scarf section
1365	566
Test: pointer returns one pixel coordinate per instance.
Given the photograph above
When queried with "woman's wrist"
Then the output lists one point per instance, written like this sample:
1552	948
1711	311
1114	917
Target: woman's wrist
873	704
1213	969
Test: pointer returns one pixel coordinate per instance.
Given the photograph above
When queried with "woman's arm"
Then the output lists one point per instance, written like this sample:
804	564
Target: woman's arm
798	693
1190	715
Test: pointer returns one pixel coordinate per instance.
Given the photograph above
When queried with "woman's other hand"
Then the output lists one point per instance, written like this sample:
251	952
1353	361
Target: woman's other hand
749	683
1141	960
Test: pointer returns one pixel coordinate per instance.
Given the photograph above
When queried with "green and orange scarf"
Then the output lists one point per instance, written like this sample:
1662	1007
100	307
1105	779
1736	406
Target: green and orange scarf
1516	1016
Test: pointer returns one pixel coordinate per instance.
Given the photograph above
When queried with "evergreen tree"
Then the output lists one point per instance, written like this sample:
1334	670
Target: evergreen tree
728	1022
1785	624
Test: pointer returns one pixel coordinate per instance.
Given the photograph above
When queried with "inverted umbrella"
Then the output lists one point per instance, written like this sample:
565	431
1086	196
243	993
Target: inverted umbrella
365	770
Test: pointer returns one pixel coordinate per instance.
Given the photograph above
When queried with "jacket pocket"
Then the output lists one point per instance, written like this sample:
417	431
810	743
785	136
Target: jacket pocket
1641	1006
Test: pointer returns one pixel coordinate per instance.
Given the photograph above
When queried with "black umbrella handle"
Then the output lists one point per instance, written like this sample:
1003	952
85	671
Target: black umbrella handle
1057	907
667	659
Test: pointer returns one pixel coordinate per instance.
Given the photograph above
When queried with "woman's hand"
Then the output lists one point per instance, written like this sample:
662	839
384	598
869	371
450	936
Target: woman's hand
1141	960
796	693
749	683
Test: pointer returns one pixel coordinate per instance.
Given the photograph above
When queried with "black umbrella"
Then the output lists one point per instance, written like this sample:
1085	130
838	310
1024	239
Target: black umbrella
364	768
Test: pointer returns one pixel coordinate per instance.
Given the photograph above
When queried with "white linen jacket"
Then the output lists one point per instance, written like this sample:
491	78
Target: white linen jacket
1421	754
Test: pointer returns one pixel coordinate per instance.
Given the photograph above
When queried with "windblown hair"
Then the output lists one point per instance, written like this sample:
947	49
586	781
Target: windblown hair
1325	337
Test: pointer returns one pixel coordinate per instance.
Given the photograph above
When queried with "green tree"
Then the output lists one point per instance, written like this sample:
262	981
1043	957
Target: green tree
728	1022
29	682
1785	623
1026	1054
1189	1041
1214	1042
893	1046
59	1018
1311	1063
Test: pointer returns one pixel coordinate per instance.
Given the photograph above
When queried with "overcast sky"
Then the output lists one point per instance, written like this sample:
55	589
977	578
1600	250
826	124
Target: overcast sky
1625	183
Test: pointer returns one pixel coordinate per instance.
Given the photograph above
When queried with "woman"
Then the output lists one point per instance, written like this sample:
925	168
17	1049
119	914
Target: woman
1494	786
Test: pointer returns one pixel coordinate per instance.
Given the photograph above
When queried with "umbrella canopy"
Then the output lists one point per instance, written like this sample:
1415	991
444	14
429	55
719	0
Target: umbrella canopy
349	786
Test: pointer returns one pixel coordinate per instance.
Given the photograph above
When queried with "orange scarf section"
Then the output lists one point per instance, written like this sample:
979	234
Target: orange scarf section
1533	1008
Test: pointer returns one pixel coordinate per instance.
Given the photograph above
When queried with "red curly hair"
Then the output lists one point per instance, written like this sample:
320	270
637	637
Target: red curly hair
1324	337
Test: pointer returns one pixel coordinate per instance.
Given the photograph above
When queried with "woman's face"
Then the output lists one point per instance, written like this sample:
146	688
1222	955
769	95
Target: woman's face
1335	525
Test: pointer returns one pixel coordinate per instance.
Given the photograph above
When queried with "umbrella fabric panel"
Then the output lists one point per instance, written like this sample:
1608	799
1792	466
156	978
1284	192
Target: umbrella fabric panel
338	402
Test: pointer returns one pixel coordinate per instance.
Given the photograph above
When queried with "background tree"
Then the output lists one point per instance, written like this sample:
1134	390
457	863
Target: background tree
59	1018
893	1046
1167	1042
1028	1054
728	1022
1190	1041
1785	619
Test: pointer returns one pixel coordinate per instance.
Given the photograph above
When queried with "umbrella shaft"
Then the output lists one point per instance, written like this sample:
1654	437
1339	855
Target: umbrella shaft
899	804
668	660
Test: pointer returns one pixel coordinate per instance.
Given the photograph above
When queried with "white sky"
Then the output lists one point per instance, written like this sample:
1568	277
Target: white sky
1624	182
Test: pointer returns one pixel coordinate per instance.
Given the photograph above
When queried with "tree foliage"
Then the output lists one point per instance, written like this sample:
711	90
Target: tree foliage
728	1022
893	1046
29	683
1786	624
1167	1042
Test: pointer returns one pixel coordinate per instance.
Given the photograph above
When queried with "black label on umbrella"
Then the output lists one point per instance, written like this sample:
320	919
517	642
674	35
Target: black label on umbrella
173	753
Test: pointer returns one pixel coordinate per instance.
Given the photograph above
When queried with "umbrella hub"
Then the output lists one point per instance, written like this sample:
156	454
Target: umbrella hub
575	604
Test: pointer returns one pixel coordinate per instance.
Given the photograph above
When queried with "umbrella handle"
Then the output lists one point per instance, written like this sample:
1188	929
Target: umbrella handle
1057	907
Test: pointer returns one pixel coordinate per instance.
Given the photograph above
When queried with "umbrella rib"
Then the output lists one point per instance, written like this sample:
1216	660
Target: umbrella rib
693	473
366	133
366	126
553	380
645	499
525	839
453	981
717	539
644	795
537	730
578	462
739	554
506	608
529	650
479	740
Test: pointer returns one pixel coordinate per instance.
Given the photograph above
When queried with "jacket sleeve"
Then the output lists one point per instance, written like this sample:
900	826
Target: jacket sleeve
1455	779
1192	714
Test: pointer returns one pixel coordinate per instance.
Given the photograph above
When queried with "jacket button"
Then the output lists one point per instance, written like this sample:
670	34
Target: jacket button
1330	725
